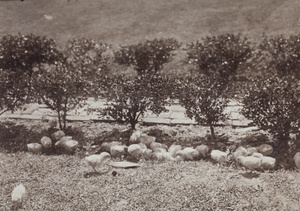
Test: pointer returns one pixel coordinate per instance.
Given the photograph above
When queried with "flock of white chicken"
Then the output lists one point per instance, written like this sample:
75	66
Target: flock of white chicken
145	147
63	142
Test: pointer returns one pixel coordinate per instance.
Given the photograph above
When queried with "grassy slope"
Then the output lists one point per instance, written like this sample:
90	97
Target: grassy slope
123	22
58	183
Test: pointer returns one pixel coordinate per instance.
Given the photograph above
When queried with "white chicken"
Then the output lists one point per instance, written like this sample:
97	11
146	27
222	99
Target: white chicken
155	145
105	146
135	150
35	148
98	160
173	149
250	162
188	153
134	136
251	150
118	151
218	156
147	154
240	151
267	162
147	140
265	149
46	142
67	143
257	155
18	193
202	150
163	155
58	135
297	159
17	196
53	122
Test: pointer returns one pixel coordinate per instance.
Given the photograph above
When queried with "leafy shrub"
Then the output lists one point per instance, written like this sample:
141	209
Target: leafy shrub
274	105
130	99
221	56
278	54
20	57
203	99
73	78
148	56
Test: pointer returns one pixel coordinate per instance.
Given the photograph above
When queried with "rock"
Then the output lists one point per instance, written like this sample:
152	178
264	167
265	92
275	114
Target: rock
147	140
35	148
297	159
46	142
58	135
265	149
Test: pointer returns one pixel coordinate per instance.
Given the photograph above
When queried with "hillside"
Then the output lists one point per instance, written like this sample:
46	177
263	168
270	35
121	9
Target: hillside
124	22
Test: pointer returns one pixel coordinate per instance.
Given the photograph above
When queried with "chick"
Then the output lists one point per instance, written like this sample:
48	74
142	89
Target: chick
17	196
98	160
218	156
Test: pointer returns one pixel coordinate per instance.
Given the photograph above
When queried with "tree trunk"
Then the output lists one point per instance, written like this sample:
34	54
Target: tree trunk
132	124
65	113
212	132
59	119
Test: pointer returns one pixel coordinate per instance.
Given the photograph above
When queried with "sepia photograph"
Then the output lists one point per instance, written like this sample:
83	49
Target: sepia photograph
167	105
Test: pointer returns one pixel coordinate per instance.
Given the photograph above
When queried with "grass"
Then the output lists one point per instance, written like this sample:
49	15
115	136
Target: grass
124	22
58	183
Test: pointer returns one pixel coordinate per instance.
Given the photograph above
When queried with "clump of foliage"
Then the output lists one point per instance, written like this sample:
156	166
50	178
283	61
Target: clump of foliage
148	56
20	57
66	84
278	54
220	56
274	105
204	100
129	99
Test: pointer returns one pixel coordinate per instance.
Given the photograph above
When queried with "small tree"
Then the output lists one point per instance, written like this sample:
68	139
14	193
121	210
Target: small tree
274	105
129	99
203	99
20	57
149	56
220	56
73	78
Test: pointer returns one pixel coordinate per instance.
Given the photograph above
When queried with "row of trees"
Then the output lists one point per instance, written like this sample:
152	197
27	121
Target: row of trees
35	68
